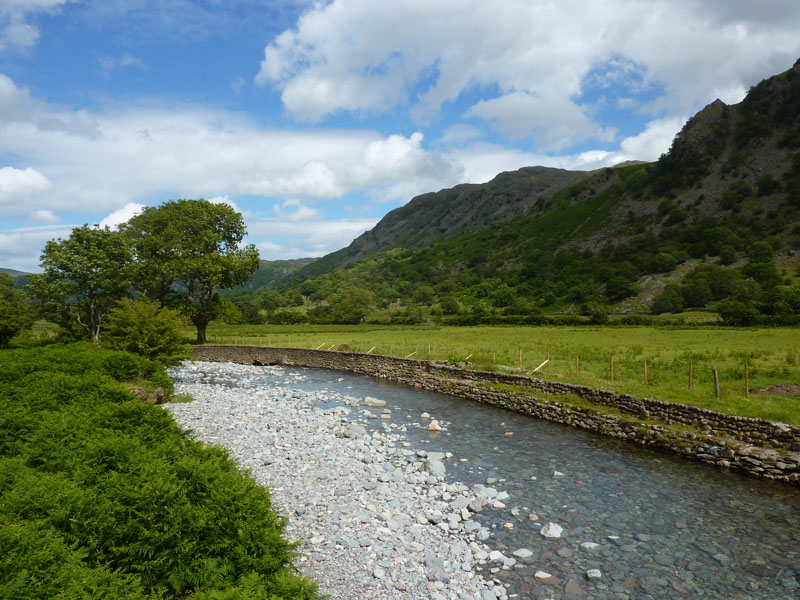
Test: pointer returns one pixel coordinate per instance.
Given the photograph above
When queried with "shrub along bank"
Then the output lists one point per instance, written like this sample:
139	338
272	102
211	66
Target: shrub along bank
102	495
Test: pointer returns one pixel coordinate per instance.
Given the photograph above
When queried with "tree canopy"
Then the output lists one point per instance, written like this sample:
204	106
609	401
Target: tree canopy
186	251
84	276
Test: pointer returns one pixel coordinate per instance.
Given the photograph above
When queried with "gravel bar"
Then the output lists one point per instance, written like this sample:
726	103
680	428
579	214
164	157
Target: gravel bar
377	518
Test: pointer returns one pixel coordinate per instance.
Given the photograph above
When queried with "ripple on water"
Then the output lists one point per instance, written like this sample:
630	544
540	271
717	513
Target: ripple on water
665	527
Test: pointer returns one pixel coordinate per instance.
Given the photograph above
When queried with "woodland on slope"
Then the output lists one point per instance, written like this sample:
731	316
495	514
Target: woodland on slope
712	224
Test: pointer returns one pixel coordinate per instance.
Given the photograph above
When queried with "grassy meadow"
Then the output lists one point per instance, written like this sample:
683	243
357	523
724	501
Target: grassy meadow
582	355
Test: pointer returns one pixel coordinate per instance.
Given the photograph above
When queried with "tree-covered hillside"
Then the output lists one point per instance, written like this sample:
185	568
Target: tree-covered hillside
714	223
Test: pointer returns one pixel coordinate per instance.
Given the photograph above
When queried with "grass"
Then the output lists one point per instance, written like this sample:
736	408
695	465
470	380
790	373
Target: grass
582	355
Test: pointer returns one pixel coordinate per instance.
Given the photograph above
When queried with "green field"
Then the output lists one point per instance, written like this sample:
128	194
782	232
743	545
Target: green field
583	355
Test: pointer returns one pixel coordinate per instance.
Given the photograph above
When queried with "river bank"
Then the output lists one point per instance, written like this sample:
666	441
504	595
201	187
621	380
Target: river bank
652	526
758	447
377	518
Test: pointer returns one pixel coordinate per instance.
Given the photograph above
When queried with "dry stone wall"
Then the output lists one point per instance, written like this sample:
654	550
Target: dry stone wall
763	448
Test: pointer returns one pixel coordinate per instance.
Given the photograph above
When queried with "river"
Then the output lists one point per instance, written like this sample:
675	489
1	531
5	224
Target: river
665	527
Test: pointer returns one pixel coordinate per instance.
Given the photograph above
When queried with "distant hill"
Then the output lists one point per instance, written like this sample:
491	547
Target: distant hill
20	277
726	196
270	271
430	217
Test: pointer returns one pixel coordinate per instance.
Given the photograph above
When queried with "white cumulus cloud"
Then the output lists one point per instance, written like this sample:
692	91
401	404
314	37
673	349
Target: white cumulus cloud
19	186
41	217
122	215
373	57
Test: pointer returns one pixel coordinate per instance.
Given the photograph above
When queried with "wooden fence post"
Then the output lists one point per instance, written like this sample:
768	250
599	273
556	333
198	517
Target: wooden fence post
747	381
612	367
645	371
716	383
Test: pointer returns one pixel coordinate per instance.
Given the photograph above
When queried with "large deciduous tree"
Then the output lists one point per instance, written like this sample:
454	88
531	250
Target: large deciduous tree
83	278
187	251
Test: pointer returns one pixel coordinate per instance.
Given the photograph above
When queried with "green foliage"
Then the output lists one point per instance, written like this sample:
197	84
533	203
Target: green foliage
736	193
734	312
663	262
101	495
449	305
16	312
761	252
145	328
593	238
350	305
188	250
597	313
83	277
669	300
767	184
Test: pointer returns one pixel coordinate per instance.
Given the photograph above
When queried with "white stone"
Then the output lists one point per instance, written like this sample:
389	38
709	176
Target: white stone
552	530
589	546
434	426
523	553
374	402
542	575
594	574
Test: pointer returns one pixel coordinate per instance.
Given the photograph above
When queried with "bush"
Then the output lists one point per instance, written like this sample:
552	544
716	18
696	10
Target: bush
738	313
669	300
16	312
102	495
143	327
597	313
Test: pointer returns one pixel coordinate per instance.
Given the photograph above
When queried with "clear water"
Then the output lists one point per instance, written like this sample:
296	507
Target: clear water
684	530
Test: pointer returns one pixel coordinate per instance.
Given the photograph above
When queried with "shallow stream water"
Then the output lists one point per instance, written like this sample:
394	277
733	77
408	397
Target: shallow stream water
665	527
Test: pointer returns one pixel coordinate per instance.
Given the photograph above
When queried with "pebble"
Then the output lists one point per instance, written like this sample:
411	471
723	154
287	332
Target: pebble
552	530
374	518
593	574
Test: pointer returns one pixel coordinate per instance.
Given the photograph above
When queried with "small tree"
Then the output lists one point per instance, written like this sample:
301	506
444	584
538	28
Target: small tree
83	278
188	250
16	312
449	305
669	300
351	305
143	327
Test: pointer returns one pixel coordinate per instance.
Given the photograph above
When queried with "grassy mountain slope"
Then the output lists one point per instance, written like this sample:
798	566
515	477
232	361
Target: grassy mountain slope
274	270
436	215
726	196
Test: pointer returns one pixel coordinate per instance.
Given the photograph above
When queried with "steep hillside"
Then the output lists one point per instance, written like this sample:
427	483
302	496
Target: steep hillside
436	215
726	196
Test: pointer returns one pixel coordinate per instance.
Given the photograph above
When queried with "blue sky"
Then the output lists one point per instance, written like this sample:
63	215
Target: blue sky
315	119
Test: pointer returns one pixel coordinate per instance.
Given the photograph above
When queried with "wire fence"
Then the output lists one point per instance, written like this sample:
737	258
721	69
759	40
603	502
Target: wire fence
598	369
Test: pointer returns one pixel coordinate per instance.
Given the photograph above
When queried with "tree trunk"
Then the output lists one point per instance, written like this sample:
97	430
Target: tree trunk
201	331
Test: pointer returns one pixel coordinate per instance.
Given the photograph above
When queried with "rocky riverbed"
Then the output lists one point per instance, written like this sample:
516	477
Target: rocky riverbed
388	505
377	518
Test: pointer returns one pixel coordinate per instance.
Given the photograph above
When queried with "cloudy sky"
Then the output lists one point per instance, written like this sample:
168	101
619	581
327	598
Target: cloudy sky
316	118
